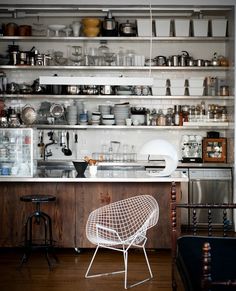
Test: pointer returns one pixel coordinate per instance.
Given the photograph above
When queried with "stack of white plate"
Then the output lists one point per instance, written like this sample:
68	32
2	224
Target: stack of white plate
108	119
121	112
71	115
104	109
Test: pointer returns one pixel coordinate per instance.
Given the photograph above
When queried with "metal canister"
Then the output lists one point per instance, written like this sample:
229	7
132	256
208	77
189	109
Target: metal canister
224	90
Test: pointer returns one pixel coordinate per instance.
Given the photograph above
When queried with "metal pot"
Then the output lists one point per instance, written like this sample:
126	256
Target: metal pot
161	60
128	29
183	59
73	89
106	90
150	62
28	114
199	62
190	62
175	60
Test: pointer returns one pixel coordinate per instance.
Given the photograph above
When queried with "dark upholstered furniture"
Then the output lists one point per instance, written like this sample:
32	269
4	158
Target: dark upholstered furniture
207	261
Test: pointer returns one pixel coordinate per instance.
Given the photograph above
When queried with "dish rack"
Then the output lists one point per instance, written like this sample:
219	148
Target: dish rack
115	157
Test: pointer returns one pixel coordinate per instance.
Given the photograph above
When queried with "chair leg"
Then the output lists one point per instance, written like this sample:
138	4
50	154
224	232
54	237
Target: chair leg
90	265
126	270
100	274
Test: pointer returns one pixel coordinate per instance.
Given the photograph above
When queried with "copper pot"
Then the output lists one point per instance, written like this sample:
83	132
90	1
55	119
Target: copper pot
24	30
11	29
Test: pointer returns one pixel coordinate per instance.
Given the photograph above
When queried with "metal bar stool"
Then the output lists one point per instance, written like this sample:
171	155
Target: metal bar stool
39	218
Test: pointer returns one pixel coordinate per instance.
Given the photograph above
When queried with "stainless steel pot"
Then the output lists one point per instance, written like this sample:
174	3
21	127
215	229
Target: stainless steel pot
199	62
174	60
127	29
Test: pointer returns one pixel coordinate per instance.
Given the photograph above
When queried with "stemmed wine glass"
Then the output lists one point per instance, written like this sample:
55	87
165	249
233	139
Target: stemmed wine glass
76	54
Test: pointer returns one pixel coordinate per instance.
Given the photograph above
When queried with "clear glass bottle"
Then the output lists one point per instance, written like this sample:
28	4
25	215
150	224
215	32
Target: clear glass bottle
161	120
169	117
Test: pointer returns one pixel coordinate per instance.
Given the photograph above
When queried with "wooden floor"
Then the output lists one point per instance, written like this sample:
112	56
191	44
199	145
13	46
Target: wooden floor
68	273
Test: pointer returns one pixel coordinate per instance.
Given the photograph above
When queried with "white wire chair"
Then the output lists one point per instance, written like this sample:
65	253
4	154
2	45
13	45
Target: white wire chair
120	225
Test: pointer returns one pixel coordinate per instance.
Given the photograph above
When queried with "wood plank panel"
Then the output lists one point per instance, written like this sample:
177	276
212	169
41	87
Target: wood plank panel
74	202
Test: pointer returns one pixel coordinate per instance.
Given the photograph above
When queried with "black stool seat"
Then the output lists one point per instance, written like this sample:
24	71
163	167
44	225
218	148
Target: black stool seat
39	218
37	198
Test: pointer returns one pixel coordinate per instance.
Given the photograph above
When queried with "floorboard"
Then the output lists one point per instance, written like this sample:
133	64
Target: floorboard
68	273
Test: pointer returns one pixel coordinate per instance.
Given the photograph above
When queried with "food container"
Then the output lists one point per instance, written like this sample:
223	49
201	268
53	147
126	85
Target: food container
182	27
144	27
200	27
91	22
219	27
163	27
196	91
25	30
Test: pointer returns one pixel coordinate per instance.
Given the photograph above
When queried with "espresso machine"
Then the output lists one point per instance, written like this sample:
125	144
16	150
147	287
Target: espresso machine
191	148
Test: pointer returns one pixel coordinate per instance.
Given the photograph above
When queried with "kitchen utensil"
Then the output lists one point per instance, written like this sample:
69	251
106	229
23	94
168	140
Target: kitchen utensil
41	143
80	167
183	59
25	30
76	28
91	22
76	138
91	31
67	151
11	29
128	29
28	114
57	110
109	25
160	61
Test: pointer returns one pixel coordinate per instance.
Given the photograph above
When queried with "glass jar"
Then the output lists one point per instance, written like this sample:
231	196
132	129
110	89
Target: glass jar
13	121
3	122
161	120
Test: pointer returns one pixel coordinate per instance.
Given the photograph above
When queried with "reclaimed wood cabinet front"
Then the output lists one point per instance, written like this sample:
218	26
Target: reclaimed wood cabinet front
73	204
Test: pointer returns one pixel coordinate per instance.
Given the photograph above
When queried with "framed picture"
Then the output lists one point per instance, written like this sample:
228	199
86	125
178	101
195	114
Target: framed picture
214	150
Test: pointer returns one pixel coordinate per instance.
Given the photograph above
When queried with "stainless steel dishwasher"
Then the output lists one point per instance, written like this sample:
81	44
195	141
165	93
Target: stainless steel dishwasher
209	185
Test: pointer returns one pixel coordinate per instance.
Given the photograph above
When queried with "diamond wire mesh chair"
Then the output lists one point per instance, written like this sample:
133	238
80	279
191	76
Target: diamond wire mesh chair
120	225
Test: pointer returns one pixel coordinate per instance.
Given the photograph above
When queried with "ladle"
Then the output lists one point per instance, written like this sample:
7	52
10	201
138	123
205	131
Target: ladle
67	151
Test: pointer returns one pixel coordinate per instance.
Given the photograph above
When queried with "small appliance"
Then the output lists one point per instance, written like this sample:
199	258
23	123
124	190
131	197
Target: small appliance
191	148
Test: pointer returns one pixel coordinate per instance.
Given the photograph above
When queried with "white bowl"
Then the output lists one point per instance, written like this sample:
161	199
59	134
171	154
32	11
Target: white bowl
56	28
104	116
108	121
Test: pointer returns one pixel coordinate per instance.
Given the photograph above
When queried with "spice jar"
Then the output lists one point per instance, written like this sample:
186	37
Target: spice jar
224	90
14	121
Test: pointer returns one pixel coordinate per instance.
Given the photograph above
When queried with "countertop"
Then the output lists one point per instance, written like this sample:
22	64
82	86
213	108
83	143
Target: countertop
101	176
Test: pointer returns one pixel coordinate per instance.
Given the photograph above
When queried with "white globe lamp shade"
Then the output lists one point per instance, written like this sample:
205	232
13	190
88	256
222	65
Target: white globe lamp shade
164	150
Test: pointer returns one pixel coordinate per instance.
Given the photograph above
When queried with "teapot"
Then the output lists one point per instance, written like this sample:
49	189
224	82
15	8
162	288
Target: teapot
160	60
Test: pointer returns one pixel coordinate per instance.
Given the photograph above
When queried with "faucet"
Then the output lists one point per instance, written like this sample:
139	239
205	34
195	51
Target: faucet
52	141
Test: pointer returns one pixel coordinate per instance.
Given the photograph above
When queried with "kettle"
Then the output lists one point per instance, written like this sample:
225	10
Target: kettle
160	60
183	59
109	25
